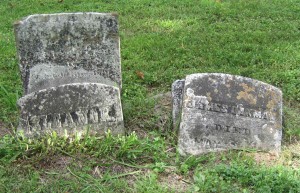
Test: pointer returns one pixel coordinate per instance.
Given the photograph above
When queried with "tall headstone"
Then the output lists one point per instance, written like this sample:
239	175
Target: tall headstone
71	72
221	111
57	49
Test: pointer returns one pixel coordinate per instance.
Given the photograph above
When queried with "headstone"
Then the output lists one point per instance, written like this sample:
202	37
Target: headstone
221	112
71	73
64	48
177	91
73	107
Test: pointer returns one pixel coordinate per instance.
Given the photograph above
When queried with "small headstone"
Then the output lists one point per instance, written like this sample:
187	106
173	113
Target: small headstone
64	48
177	91
221	112
73	107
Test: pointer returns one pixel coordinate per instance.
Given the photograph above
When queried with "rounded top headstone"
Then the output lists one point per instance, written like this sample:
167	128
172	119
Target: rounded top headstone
223	111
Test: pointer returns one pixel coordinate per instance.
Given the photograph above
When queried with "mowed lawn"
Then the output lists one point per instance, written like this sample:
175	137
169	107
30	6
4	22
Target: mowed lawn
161	41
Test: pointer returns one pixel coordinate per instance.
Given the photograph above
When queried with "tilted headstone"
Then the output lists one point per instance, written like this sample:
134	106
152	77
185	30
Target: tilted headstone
73	107
71	73
221	111
57	49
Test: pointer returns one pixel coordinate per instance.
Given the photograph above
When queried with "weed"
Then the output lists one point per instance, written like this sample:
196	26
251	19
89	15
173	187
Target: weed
150	184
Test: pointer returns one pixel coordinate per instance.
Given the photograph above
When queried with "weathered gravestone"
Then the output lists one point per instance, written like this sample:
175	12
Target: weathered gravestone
71	72
57	49
72	107
221	111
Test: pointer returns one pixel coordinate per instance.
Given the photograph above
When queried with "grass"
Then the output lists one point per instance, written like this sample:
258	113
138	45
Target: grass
131	164
164	40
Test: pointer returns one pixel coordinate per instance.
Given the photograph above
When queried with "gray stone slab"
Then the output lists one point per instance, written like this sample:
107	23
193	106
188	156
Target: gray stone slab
222	111
177	91
64	48
73	107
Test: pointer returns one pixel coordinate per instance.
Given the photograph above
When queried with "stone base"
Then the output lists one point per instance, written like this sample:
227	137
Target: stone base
72	107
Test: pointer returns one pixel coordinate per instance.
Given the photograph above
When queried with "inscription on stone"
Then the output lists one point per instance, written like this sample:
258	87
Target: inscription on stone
65	48
238	110
221	111
72	107
79	117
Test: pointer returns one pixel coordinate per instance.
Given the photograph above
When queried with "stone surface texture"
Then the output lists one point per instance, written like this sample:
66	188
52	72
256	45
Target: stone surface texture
71	73
222	111
177	91
73	107
64	48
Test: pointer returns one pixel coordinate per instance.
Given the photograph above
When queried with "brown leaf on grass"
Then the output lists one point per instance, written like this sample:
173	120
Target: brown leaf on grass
60	1
140	74
97	172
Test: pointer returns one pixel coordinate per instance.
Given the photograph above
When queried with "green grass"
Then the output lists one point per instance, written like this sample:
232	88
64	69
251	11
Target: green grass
130	164
165	40
240	177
